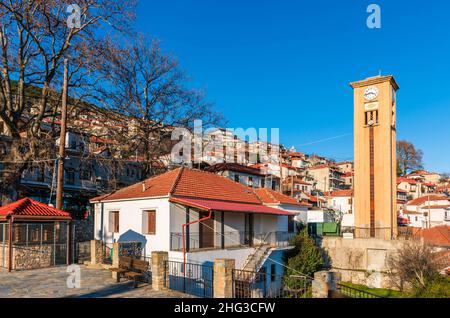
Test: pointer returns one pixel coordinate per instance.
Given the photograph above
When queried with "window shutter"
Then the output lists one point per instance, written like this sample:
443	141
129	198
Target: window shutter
145	222
111	222
116	222
151	222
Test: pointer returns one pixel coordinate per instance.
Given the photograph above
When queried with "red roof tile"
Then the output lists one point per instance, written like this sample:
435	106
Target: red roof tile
228	206
439	235
403	179
29	208
269	196
426	198
184	182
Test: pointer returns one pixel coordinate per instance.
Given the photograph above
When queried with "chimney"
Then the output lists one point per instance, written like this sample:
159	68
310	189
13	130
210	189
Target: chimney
143	186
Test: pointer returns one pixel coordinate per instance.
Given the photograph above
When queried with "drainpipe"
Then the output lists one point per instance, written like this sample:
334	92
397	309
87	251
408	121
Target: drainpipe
183	226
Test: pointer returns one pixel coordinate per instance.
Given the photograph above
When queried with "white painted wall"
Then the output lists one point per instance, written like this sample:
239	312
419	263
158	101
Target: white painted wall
130	223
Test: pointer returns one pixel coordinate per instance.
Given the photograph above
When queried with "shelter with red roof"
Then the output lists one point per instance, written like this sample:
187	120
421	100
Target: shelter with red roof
33	235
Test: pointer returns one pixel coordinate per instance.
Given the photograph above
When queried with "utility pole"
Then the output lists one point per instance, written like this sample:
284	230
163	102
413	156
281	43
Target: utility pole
62	140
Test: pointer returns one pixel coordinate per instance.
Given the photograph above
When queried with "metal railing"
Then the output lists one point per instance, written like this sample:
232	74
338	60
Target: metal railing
251	284
197	241
354	292
189	278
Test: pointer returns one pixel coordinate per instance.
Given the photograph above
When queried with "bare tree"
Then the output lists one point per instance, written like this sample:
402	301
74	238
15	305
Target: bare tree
34	40
147	86
408	157
414	264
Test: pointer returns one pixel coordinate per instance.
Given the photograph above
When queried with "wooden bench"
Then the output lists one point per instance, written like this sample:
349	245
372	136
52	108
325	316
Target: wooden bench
131	268
125	265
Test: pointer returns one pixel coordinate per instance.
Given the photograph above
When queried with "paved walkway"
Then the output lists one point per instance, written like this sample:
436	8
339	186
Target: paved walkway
51	283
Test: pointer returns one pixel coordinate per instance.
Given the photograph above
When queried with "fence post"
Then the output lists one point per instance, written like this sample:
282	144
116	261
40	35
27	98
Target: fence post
115	259
158	269
96	252
324	284
223	277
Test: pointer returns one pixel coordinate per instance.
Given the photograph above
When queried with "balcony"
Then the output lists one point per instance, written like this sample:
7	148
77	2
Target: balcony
233	239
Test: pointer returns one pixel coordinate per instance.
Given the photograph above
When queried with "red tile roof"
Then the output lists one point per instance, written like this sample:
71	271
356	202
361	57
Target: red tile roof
426	198
269	196
403	179
184	182
30	209
439	235
228	206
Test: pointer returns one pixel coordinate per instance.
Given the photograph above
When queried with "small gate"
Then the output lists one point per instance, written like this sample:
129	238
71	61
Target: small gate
107	253
189	278
250	284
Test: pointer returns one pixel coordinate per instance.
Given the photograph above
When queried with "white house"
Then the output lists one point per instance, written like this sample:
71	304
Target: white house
216	216
428	211
342	201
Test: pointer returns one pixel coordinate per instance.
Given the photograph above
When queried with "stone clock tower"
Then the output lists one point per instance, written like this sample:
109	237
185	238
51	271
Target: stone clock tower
375	186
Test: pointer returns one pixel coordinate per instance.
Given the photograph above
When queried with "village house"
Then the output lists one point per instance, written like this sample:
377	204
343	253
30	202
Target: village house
428	211
163	213
327	177
342	201
425	176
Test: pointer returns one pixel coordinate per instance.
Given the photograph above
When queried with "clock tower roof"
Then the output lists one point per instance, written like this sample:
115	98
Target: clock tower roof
375	80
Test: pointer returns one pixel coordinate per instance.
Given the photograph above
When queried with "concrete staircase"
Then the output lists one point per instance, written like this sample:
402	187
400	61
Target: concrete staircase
255	260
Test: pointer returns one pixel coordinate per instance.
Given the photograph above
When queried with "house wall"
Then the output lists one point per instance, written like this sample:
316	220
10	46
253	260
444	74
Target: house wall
130	223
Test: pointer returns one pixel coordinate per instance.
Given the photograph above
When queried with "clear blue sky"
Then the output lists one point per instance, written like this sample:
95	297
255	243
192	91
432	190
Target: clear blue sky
287	64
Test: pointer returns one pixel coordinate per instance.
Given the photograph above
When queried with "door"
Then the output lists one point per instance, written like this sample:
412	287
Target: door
207	232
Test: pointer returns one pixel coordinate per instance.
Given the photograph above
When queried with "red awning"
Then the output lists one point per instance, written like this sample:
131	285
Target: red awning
209	205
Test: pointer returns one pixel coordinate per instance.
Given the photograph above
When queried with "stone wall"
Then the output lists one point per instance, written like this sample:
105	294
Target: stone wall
84	229
361	261
32	257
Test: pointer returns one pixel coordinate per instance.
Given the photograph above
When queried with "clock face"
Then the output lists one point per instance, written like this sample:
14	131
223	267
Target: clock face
371	93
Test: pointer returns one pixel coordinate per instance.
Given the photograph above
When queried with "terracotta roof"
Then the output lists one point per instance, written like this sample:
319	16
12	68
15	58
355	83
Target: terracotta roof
184	182
439	235
432	197
402	191
347	174
403	179
269	196
154	187
234	167
28	209
210	205
436	207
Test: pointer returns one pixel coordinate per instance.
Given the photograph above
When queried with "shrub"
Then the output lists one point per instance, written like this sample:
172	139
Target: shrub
305	258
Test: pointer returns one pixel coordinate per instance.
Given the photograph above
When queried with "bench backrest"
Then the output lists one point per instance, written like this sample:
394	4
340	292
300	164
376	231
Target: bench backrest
125	262
141	266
